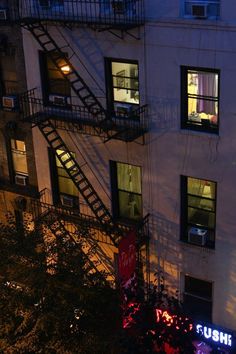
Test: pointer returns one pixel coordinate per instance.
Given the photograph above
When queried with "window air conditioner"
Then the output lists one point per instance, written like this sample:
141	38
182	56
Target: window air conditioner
199	10
58	100
67	201
3	15
21	180
123	109
118	7
9	102
197	236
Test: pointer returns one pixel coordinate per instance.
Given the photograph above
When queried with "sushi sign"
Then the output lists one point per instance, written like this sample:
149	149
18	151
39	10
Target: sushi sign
216	335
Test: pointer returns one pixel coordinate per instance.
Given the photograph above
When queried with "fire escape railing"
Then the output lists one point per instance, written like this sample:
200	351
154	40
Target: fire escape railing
76	118
113	13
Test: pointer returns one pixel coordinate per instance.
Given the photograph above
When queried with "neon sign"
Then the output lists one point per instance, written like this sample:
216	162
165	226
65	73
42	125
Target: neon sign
216	335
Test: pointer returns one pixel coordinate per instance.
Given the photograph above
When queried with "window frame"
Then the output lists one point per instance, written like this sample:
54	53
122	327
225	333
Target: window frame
185	95
198	297
115	193
11	167
45	83
54	176
111	102
185	225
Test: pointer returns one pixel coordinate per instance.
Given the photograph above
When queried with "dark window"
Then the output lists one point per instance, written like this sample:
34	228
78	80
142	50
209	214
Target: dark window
126	190
19	162
198	298
198	205
56	88
200	99
123	87
9	79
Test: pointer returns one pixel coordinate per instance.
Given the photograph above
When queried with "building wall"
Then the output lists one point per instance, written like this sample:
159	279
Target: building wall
167	41
11	125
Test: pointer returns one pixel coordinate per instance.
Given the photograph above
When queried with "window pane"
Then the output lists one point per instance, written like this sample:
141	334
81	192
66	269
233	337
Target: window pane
130	205
201	203
66	186
129	177
19	156
198	287
201	187
125	82
202	98
198	308
64	158
201	218
57	83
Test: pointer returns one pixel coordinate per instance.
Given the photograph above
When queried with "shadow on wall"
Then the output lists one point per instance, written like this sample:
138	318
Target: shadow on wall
164	249
164	114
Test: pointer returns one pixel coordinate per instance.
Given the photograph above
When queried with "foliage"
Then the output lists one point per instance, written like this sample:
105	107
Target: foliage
56	306
157	323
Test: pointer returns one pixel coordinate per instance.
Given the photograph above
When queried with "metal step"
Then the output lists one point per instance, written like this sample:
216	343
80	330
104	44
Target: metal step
39	31
80	180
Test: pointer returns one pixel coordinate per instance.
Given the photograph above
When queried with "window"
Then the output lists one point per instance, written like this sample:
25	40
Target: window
56	88
200	99
19	163
123	87
126	190
198	298
9	84
202	9
198	211
66	187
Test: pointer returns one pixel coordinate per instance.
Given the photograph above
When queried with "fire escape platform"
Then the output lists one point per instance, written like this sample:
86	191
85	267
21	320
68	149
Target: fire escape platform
79	120
120	15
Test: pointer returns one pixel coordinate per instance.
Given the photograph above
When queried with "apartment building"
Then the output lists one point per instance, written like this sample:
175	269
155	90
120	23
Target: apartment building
131	105
18	180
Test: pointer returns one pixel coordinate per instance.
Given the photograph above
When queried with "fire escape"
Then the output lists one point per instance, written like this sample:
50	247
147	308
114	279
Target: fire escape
90	117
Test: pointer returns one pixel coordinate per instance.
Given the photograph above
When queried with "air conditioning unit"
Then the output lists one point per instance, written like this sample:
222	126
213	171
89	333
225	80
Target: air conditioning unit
21	180
123	109
9	102
197	236
199	10
118	7
58	100
67	201
3	15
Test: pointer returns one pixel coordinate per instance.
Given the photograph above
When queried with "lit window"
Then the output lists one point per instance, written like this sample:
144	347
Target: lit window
198	298
127	194
123	82
200	99
19	156
198	211
65	184
204	9
56	87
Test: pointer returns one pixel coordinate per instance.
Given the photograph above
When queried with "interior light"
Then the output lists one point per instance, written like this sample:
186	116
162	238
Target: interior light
65	69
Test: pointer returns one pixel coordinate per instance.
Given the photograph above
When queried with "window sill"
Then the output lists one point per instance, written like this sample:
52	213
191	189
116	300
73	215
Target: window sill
203	133
203	247
28	190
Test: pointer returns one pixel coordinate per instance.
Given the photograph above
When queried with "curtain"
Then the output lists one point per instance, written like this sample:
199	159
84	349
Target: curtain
207	86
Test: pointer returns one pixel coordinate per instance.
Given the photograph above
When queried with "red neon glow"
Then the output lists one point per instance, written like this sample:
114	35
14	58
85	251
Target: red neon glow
132	308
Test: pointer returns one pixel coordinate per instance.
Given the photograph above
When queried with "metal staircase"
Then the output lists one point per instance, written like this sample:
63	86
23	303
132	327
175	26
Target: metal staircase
102	267
78	85
80	180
